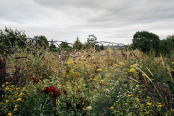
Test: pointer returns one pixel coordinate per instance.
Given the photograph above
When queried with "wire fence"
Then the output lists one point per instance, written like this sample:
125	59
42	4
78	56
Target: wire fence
33	40
96	42
33	43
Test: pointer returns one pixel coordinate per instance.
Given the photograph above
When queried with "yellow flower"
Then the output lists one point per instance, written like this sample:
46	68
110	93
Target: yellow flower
111	107
90	75
172	62
9	114
126	103
134	66
172	109
21	94
95	79
99	70
147	112
159	106
84	109
132	70
3	85
68	63
131	81
6	83
148	97
6	101
72	70
16	106
116	101
16	94
148	103
19	99
8	89
78	86
121	63
15	109
129	95
138	100
64	72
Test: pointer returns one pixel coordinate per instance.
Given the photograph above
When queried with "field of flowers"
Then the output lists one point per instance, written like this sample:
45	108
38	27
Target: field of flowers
109	82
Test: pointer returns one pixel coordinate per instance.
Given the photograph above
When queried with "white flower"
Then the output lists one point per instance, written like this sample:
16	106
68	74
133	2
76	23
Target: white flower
89	108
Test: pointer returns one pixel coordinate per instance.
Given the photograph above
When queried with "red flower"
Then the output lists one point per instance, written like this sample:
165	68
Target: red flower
56	93
78	91
52	89
35	80
87	103
81	98
64	91
46	90
75	75
103	83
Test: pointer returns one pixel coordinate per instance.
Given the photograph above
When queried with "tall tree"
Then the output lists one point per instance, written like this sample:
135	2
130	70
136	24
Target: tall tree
77	44
53	46
10	38
41	40
167	45
91	41
146	41
64	46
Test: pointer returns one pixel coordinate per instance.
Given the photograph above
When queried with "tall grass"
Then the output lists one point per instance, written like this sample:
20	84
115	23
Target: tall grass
109	82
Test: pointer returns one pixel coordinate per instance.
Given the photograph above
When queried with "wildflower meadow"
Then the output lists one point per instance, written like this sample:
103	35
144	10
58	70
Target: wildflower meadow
110	82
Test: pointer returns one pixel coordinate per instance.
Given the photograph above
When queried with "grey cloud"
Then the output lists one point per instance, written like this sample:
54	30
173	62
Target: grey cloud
112	20
124	11
20	11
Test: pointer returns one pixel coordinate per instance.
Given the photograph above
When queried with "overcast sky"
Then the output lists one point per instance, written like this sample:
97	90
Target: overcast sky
109	20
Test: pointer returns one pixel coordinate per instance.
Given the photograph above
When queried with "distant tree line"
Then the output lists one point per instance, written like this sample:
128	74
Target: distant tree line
143	40
10	38
149	42
77	45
